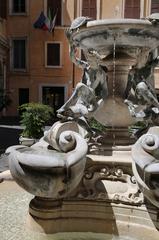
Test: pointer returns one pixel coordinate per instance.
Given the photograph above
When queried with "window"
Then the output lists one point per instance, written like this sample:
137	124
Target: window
18	6
53	7
53	54
53	96
154	6
3	8
23	96
89	8
19	54
132	9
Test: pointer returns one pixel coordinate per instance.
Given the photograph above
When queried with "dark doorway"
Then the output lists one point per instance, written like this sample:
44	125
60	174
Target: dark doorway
53	96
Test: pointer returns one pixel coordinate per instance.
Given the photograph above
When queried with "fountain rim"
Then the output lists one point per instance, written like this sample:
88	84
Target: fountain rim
118	28
115	24
118	22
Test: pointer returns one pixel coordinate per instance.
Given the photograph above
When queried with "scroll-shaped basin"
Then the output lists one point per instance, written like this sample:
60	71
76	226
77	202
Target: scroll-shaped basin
49	173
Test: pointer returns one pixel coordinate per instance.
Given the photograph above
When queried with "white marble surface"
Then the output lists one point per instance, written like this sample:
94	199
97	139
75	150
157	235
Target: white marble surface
13	216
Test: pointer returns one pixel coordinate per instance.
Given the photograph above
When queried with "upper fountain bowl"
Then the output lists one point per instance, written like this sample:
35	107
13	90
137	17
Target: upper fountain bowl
130	34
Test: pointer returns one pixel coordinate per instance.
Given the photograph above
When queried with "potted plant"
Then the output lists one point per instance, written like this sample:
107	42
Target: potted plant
34	116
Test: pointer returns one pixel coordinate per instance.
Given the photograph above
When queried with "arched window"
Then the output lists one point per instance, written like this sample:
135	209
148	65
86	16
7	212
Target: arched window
132	9
89	8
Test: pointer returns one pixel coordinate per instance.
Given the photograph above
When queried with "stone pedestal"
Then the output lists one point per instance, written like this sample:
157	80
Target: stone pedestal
106	201
98	217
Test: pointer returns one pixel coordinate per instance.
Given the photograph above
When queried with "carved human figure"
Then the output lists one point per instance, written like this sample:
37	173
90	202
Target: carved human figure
89	93
140	82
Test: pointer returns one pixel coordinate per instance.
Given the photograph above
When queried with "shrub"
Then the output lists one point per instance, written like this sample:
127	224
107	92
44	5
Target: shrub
34	116
136	130
94	124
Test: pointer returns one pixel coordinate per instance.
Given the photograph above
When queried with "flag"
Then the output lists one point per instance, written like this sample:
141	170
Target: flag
42	22
46	23
46	26
52	25
49	15
39	23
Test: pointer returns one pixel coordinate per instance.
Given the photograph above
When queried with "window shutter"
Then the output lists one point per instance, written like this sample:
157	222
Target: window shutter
53	54
53	6
154	6
89	8
19	54
23	96
3	9
19	6
132	9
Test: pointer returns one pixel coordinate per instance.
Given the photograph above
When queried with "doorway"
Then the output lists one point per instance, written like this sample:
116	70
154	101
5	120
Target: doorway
53	96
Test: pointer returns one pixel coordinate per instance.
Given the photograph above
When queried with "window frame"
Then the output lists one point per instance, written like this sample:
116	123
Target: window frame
53	66
11	12
12	56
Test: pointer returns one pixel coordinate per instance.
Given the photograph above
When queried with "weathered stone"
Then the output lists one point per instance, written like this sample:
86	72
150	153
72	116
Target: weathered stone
49	173
145	155
102	191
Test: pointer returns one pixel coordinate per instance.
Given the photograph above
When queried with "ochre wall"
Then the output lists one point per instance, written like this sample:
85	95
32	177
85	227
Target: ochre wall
37	74
112	9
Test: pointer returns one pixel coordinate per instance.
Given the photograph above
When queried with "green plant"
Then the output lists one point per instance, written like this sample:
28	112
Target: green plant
33	118
96	125
137	127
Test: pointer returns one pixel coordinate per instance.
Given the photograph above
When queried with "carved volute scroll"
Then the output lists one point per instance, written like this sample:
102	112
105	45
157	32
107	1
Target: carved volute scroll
145	155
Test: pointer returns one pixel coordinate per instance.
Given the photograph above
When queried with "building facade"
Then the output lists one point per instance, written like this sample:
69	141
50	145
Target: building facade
38	64
3	58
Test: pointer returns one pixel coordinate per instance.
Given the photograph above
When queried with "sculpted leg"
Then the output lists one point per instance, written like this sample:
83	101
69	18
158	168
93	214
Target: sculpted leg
82	99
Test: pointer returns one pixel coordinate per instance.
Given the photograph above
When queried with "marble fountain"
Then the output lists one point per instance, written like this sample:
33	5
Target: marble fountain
103	183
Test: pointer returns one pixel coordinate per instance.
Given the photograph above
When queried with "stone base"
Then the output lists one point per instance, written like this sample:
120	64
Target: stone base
114	139
106	201
97	217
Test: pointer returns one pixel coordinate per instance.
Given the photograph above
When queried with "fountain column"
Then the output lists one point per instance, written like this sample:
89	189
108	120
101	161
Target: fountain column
114	112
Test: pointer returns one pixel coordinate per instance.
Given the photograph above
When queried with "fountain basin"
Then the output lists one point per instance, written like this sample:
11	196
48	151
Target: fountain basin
117	44
49	173
128	34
